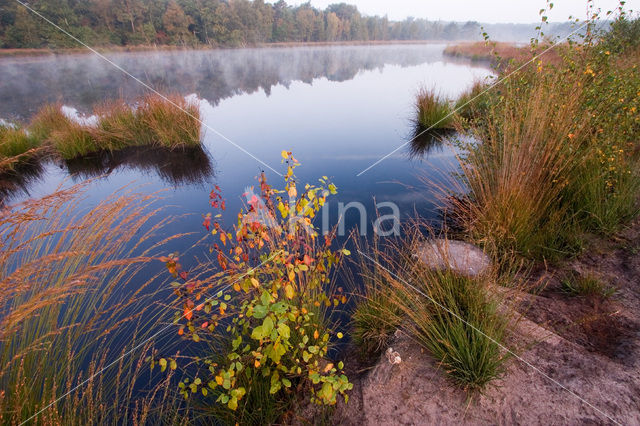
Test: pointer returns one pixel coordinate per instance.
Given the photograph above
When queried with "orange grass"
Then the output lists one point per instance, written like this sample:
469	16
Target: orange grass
68	306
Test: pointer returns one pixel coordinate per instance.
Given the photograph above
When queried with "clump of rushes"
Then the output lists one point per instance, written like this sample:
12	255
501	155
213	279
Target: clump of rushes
119	127
173	124
374	320
517	176
433	110
16	144
586	285
455	318
558	157
473	102
66	137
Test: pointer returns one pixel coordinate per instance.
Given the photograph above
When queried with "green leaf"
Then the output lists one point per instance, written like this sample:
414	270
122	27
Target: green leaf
265	298
260	311
284	331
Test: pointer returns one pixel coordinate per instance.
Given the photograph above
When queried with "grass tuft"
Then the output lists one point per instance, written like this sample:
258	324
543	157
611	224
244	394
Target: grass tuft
16	145
587	285
455	318
433	110
168	125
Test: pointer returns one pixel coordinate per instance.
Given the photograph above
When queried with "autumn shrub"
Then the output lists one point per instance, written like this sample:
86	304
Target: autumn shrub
265	313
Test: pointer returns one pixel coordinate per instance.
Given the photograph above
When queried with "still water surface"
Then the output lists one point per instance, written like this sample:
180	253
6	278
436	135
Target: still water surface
338	109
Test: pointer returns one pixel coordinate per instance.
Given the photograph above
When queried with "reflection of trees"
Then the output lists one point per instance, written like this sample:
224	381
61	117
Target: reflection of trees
82	81
176	167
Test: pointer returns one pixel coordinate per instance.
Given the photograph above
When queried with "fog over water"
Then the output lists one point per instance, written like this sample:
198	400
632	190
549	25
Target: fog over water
82	81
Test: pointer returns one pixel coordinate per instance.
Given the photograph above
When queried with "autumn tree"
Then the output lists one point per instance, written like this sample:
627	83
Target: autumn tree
176	24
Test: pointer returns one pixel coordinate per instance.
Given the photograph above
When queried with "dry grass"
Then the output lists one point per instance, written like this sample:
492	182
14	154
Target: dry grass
500	53
517	176
155	121
433	110
68	306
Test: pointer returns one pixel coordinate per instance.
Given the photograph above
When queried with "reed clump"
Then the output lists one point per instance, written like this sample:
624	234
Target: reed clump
169	122
453	317
556	156
172	123
433	110
16	145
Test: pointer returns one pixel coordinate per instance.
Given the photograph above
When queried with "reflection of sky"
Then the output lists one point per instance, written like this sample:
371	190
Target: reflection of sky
334	128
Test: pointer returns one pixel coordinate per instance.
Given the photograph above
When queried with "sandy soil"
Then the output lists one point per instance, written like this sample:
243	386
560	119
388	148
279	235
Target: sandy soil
589	346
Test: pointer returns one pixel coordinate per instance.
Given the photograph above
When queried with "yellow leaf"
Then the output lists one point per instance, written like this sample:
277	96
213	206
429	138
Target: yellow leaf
284	154
255	282
289	291
219	380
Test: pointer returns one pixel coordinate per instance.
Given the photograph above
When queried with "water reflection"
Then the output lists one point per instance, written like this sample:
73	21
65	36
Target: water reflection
424	143
189	166
18	181
84	80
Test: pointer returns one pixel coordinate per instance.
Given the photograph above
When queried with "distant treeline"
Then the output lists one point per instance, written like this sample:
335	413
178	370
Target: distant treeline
219	23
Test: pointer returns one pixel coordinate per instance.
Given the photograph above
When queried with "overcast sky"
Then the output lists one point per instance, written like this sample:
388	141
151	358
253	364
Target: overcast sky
521	11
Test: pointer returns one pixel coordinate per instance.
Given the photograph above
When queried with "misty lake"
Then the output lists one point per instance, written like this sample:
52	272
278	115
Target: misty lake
338	109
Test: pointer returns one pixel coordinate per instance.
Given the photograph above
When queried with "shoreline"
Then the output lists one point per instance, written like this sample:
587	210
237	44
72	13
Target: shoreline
39	52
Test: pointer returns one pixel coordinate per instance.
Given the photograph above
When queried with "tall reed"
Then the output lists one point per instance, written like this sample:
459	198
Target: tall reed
75	294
